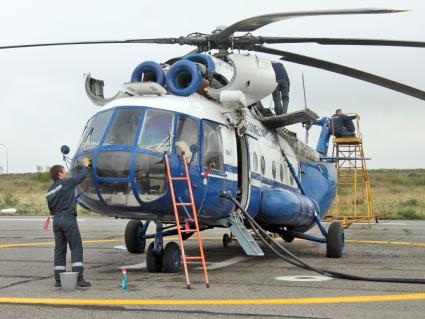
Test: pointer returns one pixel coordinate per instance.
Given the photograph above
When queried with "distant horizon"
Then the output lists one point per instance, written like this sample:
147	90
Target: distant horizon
43	104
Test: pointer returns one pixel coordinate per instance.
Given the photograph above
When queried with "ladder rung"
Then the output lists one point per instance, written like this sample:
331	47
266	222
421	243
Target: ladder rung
179	178
193	257
188	230
183	204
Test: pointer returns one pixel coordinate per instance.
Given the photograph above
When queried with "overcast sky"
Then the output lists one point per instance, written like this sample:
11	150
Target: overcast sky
43	104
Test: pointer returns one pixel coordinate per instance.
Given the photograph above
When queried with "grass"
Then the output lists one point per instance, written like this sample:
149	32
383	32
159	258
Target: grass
397	194
27	193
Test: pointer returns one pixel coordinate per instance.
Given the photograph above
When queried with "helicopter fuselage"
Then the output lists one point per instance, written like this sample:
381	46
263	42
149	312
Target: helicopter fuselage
127	139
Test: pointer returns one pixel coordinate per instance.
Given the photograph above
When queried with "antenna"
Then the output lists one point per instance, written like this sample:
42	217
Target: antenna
306	125
305	98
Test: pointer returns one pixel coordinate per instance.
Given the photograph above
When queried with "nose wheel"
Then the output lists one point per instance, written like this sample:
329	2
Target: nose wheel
154	258
166	260
171	258
134	236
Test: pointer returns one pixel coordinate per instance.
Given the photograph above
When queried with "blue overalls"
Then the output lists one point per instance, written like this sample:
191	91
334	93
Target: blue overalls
63	205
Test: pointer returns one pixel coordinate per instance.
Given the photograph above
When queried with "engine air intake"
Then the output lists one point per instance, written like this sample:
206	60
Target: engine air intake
148	71
183	78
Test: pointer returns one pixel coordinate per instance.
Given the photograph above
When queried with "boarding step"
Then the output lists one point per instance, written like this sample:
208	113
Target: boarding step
243	236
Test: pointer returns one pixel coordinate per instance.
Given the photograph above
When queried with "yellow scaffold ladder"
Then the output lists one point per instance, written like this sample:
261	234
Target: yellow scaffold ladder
353	202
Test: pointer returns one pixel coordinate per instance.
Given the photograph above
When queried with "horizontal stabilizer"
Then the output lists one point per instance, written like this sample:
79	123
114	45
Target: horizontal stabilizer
302	116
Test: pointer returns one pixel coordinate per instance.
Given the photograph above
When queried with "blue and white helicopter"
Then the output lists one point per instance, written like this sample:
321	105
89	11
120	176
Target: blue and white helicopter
207	107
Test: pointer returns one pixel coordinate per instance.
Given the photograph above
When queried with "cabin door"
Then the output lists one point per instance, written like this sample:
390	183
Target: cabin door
216	170
251	177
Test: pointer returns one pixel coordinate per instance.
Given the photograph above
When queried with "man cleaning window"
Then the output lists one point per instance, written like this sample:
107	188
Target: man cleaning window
63	206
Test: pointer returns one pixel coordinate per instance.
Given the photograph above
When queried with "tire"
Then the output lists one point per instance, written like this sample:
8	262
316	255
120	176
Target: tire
288	238
335	241
153	260
171	259
226	240
133	243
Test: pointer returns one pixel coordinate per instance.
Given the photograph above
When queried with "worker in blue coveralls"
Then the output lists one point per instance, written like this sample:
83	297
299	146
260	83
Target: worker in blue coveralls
342	125
281	93
63	206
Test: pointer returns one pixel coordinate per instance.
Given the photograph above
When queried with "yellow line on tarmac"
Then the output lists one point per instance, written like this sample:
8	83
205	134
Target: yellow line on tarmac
95	241
277	301
386	242
52	243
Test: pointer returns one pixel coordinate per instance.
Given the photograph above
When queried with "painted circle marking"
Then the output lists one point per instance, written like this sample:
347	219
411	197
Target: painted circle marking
303	278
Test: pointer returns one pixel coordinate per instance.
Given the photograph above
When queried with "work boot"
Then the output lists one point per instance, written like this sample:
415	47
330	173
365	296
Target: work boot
81	283
58	283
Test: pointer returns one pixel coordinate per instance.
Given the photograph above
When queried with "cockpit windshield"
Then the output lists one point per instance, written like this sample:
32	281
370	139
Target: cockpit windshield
94	130
157	132
124	127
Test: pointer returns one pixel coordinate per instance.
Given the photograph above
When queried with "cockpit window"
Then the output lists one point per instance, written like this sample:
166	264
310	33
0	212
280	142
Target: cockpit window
124	127
94	130
187	138
157	132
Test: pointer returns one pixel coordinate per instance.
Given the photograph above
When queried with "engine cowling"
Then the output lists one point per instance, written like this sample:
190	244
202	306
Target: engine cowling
183	78
149	71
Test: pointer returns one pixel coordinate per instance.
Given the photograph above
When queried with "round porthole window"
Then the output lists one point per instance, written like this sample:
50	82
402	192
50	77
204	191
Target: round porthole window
263	165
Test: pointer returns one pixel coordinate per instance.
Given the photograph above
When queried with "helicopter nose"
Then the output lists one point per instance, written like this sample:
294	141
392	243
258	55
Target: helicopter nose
121	178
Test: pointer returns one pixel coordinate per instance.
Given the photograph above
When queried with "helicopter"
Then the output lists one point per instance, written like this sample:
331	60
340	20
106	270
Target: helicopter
207	107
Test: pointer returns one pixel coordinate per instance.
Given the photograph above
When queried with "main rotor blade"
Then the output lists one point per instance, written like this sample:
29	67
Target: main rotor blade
254	23
343	41
156	41
341	69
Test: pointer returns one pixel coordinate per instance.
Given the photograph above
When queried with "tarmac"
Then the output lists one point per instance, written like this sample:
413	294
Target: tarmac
240	286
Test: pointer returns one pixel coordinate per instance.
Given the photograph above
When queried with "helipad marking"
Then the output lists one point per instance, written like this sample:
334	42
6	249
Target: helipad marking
211	265
224	263
275	301
303	278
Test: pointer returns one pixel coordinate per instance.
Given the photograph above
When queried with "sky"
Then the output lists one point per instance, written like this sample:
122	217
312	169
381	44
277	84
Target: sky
43	104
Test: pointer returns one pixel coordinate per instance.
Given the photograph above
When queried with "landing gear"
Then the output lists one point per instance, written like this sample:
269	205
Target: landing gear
226	240
154	258
171	258
335	241
134	236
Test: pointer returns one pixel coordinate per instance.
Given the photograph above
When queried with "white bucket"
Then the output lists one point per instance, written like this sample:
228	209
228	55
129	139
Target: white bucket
68	280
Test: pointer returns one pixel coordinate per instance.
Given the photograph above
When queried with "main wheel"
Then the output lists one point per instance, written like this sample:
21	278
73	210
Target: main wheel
133	241
153	259
171	258
226	240
335	241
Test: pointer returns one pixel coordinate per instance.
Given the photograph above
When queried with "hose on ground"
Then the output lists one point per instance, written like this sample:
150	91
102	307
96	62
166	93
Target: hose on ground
289	257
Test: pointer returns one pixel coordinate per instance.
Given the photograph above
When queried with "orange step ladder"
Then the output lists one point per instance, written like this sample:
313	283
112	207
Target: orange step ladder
187	228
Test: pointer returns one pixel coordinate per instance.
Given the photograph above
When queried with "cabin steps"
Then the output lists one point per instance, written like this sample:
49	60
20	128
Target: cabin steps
243	236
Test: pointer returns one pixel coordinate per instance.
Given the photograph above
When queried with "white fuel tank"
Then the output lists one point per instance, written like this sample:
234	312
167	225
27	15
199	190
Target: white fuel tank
252	75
